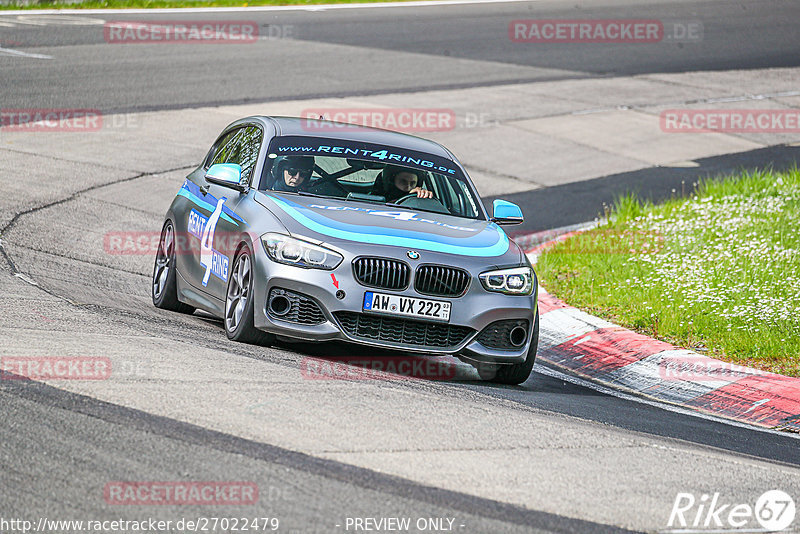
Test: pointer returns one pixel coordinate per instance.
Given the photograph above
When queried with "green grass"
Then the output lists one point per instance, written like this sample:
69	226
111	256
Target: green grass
127	4
718	272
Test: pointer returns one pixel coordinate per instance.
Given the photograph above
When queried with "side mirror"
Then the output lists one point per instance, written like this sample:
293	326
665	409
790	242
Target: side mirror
505	212
227	175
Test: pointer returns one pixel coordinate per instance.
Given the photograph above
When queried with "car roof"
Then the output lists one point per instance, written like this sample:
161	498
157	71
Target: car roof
296	126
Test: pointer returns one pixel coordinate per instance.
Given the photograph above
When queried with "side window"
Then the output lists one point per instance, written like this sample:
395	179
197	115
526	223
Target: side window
218	146
240	146
251	143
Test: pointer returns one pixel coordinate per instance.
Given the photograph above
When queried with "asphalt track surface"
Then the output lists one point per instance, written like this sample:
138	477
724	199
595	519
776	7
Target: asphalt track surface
59	447
357	52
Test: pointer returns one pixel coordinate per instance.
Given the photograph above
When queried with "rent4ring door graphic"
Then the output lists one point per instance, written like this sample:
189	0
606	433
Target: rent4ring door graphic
210	229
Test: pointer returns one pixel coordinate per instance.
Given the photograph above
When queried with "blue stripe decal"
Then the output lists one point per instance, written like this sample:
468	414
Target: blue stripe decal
492	241
191	191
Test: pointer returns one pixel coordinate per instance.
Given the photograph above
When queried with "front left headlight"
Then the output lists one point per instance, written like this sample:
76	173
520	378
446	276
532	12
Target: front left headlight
290	251
516	281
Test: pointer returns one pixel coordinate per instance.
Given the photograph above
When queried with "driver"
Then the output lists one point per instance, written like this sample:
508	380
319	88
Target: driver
401	181
292	172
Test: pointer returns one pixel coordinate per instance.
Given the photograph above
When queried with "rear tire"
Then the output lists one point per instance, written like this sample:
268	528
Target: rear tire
517	373
239	303
164	287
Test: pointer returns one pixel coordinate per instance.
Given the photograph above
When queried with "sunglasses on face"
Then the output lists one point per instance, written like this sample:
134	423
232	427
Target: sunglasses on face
304	173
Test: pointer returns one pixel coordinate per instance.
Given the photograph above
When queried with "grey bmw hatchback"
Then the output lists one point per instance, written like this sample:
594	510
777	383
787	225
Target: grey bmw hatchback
314	230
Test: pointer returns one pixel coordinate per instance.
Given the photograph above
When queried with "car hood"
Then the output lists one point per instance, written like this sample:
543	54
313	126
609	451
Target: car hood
333	220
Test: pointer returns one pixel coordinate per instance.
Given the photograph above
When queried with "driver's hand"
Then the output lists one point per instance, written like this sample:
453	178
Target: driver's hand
421	193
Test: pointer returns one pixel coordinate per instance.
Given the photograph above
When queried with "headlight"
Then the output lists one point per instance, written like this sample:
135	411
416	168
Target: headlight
291	251
516	281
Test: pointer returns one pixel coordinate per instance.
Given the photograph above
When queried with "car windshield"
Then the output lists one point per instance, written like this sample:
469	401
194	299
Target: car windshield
369	175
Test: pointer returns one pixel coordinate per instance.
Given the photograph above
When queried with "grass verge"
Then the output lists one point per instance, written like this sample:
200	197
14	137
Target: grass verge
718	272
154	4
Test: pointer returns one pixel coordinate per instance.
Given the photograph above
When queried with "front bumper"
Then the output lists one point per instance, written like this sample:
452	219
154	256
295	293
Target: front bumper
470	314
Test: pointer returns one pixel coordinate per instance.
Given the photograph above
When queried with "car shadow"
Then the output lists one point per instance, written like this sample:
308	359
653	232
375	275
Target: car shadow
579	202
348	361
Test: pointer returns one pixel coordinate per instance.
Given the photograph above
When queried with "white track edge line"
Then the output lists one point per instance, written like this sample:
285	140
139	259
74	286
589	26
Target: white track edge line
12	52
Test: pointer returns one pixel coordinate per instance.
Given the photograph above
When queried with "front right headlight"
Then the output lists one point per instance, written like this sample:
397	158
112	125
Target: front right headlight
290	251
515	281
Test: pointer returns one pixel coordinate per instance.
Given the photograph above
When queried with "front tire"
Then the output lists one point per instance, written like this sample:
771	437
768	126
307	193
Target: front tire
517	373
164	289
240	302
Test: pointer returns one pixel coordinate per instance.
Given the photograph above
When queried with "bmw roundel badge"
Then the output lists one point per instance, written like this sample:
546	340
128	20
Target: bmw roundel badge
413	254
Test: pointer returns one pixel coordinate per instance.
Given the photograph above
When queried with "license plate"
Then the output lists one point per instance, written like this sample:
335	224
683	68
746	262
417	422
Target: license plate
437	310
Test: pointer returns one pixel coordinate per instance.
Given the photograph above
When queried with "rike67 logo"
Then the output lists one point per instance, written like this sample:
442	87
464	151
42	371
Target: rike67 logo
773	511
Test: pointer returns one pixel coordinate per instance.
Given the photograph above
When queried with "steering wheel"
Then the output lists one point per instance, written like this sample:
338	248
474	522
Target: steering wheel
429	204
407	197
332	184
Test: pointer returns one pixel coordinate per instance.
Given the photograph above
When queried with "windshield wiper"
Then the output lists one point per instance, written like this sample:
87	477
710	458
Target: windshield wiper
304	193
393	205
